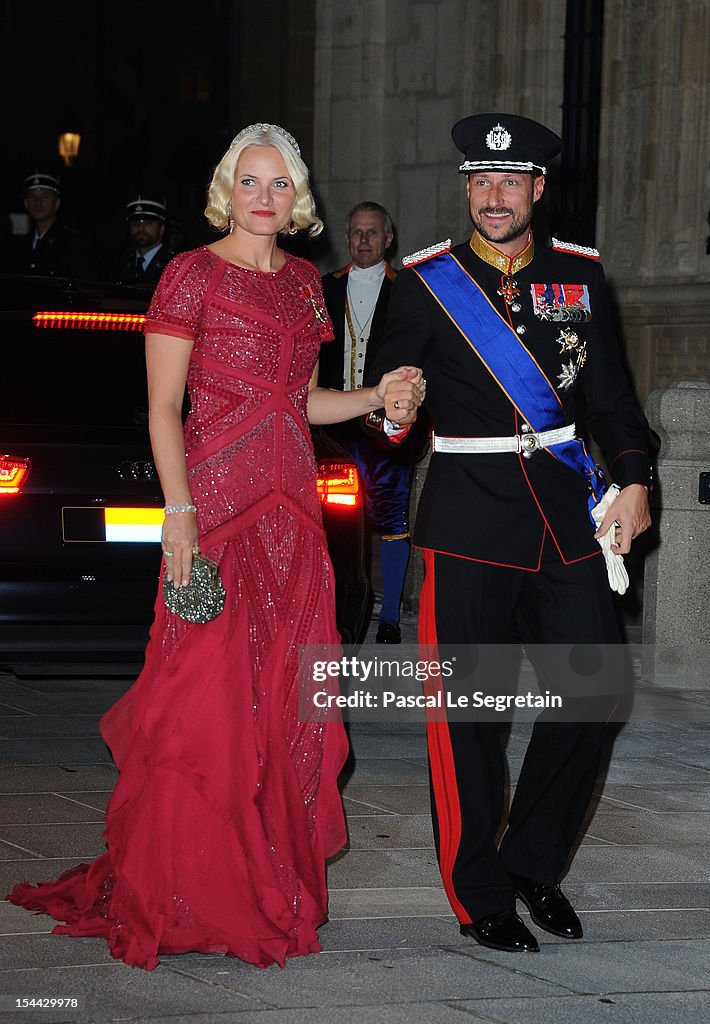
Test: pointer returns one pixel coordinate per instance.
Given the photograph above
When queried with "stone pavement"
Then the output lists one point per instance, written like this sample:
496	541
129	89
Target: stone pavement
392	949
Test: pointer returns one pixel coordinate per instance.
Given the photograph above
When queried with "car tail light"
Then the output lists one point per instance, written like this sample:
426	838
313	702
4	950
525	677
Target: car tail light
91	321
13	474
338	484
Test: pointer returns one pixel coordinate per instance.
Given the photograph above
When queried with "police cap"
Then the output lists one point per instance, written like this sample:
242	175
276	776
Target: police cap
41	179
145	209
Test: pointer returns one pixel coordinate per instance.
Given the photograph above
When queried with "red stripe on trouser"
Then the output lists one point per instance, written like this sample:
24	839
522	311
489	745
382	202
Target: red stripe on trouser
441	756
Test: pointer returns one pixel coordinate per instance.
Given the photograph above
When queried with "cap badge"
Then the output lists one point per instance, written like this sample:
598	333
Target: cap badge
499	138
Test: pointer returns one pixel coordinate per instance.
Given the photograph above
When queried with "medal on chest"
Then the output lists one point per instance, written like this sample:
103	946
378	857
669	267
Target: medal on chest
568	304
561	303
571	345
308	293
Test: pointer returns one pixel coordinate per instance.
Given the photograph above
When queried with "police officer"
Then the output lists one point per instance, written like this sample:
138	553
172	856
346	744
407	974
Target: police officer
52	249
509	334
147	256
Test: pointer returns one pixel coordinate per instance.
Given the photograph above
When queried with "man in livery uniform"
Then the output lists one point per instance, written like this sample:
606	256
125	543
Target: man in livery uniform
509	335
356	298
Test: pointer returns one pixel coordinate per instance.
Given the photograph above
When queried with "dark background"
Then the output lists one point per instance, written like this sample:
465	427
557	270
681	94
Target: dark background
156	88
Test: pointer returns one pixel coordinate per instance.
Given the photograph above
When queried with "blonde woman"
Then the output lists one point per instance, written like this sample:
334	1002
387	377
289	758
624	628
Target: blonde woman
227	806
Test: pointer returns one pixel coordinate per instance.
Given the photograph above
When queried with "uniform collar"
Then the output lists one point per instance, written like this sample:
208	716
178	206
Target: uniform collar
507	265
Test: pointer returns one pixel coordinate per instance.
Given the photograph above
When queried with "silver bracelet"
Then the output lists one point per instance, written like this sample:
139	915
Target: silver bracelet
170	510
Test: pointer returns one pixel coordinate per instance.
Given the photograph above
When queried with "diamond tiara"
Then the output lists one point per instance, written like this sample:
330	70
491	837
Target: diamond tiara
266	128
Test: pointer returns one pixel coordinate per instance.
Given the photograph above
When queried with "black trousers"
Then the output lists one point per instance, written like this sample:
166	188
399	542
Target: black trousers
467	602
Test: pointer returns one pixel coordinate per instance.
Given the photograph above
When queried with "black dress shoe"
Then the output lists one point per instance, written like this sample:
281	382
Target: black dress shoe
502	931
388	634
549	907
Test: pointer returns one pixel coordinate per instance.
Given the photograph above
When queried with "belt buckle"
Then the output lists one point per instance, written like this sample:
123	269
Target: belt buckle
529	443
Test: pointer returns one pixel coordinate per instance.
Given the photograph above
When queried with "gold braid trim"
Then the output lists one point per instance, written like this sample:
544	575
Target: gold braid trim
353	343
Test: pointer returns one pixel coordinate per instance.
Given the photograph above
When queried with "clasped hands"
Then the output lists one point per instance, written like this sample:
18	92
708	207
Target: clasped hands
401	392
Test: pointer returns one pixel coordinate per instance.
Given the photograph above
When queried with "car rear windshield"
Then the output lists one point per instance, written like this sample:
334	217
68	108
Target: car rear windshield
72	377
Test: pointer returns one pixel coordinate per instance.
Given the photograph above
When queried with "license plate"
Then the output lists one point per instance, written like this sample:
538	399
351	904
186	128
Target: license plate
101	525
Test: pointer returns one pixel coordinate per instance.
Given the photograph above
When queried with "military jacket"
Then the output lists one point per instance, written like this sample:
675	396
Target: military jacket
497	507
331	364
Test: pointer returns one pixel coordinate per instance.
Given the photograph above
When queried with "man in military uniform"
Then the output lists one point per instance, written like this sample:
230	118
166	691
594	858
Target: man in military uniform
51	249
146	257
509	333
356	298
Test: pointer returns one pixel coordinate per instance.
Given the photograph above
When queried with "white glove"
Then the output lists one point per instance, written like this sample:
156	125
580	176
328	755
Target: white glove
615	568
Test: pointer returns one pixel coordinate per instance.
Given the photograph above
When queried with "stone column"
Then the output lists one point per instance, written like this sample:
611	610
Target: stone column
676	600
654	184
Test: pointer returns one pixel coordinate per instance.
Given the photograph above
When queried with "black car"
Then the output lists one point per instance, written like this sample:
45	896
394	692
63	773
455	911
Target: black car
80	501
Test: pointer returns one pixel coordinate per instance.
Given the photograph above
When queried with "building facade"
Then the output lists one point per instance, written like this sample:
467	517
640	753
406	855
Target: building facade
392	77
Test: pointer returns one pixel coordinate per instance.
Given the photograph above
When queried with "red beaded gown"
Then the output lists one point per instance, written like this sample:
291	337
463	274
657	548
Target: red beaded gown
227	806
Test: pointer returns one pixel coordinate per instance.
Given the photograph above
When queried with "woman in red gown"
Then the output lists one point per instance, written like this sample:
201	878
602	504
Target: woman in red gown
227	806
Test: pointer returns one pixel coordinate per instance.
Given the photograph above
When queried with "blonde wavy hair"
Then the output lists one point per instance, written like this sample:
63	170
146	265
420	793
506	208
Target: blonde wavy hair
219	193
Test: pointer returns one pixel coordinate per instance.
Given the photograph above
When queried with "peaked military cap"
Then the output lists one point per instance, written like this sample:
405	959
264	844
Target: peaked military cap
142	209
504	142
41	179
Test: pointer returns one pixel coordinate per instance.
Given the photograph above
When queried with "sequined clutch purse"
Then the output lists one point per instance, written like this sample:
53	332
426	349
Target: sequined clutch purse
203	598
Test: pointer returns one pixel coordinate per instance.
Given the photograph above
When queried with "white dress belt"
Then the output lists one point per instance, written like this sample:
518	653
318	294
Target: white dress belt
527	442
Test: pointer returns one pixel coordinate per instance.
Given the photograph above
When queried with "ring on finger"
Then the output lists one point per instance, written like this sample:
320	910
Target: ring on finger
168	554
396	405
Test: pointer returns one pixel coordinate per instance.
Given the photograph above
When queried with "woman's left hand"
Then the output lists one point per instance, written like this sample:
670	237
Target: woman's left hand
402	391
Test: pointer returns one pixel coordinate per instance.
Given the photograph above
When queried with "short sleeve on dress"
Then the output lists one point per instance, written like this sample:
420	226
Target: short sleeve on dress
177	303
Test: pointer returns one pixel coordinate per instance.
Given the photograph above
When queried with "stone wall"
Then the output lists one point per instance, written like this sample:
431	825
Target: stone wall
654	179
666	330
392	78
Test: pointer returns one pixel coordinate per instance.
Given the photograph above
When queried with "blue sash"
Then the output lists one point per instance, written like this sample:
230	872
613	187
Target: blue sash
510	364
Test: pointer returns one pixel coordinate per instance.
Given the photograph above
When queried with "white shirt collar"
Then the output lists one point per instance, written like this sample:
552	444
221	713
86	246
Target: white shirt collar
148	256
368	275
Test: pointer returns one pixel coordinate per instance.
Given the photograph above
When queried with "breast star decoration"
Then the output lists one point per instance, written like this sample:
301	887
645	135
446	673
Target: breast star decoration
570	343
